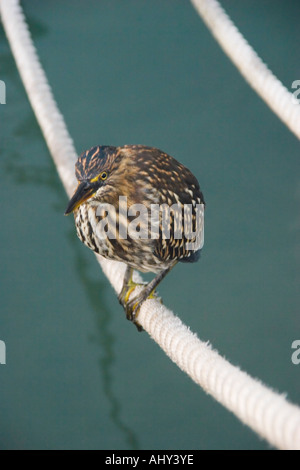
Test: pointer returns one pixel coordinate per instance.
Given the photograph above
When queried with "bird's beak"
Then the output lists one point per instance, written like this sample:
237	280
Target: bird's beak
83	192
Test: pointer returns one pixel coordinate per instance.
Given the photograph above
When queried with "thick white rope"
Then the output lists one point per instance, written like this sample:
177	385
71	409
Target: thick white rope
266	412
257	74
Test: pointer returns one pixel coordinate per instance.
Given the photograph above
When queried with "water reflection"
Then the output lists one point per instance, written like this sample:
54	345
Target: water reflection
95	290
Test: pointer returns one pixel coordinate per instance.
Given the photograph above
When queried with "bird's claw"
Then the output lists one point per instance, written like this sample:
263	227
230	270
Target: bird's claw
132	309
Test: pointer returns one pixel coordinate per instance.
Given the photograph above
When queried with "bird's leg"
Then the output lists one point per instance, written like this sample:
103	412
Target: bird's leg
128	287
133	306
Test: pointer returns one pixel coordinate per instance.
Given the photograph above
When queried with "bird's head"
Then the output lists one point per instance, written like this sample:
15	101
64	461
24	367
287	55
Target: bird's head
93	170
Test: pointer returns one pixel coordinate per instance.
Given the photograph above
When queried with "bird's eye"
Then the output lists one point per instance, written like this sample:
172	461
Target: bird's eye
103	175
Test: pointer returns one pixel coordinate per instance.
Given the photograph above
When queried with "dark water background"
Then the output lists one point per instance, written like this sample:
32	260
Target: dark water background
78	375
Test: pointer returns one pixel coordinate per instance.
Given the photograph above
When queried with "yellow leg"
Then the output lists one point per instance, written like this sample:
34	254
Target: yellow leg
132	307
128	287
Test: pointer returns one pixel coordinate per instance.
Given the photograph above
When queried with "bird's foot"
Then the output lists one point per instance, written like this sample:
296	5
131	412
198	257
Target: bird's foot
132	307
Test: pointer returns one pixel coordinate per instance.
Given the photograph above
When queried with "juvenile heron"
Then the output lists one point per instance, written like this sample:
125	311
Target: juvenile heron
117	183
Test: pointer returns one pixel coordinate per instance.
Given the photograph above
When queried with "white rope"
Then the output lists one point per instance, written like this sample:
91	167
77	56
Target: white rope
266	412
257	74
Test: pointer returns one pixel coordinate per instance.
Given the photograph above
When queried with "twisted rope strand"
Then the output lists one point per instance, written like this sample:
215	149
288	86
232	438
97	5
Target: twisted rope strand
253	69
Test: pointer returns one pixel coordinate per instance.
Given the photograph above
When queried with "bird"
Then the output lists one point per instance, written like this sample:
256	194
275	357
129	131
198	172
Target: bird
138	205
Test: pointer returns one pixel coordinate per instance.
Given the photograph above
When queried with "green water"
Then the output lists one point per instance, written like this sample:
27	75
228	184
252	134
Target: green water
78	375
